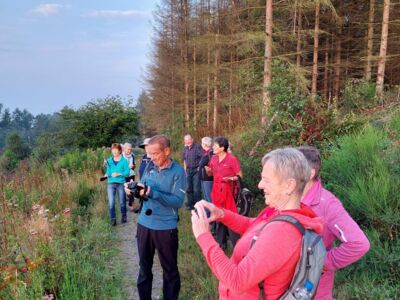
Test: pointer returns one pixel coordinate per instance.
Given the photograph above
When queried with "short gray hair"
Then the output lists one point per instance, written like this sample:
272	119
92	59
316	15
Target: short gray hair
290	163
207	141
127	144
160	139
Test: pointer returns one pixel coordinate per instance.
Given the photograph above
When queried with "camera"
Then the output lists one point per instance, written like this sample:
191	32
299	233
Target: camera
135	189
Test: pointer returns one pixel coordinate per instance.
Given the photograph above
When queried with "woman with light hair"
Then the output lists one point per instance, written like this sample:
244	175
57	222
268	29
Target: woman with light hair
206	180
273	258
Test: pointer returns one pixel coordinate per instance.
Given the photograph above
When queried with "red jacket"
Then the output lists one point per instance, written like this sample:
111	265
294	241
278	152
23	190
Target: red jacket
272	259
222	194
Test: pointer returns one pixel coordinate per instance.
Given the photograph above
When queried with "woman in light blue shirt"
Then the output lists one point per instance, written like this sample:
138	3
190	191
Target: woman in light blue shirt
117	170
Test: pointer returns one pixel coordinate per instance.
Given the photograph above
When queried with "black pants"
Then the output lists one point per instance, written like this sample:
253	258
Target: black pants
222	233
166	243
130	197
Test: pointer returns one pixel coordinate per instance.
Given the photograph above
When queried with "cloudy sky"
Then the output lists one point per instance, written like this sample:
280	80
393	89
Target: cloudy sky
70	52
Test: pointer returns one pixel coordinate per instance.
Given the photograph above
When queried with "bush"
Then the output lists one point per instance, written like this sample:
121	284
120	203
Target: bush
17	145
8	161
359	172
45	149
358	94
78	161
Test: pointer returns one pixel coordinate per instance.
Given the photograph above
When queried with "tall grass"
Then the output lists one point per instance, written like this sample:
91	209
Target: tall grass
359	171
55	236
197	280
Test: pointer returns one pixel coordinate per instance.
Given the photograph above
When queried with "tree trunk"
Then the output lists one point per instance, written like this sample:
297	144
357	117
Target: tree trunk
338	53
185	60
266	95
326	70
208	66
382	52
216	63
215	108
370	37
315	56
230	92
298	46
194	89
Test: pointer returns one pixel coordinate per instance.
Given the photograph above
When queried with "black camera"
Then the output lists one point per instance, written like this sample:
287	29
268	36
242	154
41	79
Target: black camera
135	189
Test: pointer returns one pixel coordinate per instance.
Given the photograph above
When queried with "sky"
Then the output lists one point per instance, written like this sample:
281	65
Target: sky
54	54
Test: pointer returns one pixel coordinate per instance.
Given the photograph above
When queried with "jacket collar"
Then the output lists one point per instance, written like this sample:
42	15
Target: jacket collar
313	196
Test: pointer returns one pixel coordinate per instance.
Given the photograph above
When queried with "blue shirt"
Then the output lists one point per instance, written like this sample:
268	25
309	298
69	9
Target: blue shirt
121	167
143	164
166	196
192	155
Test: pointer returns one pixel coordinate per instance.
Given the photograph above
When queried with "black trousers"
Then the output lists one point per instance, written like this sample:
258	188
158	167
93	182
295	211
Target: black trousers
166	243
222	233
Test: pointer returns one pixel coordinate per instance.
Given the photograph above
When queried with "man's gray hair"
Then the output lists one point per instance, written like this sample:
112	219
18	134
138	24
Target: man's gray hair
128	144
290	163
207	141
160	139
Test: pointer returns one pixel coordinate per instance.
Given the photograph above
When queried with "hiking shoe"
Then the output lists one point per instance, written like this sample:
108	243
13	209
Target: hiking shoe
123	219
113	222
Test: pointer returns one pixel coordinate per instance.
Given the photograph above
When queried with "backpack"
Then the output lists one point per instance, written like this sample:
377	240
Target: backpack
243	198
309	267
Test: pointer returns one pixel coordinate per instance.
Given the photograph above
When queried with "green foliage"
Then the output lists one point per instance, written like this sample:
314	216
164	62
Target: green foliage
45	148
98	124
82	160
8	161
17	145
77	260
15	150
82	195
358	94
359	171
358	175
198	282
394	125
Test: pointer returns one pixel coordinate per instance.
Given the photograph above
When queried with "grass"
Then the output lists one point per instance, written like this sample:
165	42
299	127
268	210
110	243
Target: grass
55	235
197	280
73	255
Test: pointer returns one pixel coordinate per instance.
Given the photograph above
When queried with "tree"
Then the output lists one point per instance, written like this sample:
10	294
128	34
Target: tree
267	61
98	124
17	146
315	54
383	49
370	41
45	148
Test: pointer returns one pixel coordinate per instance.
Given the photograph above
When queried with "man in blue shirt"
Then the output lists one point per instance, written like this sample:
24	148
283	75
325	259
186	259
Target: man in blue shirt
158	219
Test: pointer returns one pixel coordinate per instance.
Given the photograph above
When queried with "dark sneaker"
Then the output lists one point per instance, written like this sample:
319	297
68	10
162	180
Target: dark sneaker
123	219
113	222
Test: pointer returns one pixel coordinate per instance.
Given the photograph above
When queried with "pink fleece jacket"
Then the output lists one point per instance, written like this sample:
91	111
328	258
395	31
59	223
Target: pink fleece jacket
272	259
338	225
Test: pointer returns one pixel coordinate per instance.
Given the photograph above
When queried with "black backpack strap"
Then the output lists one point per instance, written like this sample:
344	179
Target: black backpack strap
282	218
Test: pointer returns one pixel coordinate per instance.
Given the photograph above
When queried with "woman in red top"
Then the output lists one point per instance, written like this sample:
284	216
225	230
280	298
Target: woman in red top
273	258
225	167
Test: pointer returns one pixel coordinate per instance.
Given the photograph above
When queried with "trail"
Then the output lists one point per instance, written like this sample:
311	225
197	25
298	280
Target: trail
130	260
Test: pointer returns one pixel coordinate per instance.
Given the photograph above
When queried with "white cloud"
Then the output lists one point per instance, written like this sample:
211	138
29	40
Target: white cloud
118	13
47	9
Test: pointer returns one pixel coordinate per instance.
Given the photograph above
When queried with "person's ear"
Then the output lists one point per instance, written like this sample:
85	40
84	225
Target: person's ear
167	151
313	172
291	186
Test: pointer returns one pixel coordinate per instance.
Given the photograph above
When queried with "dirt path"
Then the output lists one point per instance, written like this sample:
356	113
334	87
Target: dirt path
130	259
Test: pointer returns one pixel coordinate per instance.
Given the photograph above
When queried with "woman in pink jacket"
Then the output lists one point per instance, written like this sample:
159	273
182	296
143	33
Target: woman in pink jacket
338	226
273	258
